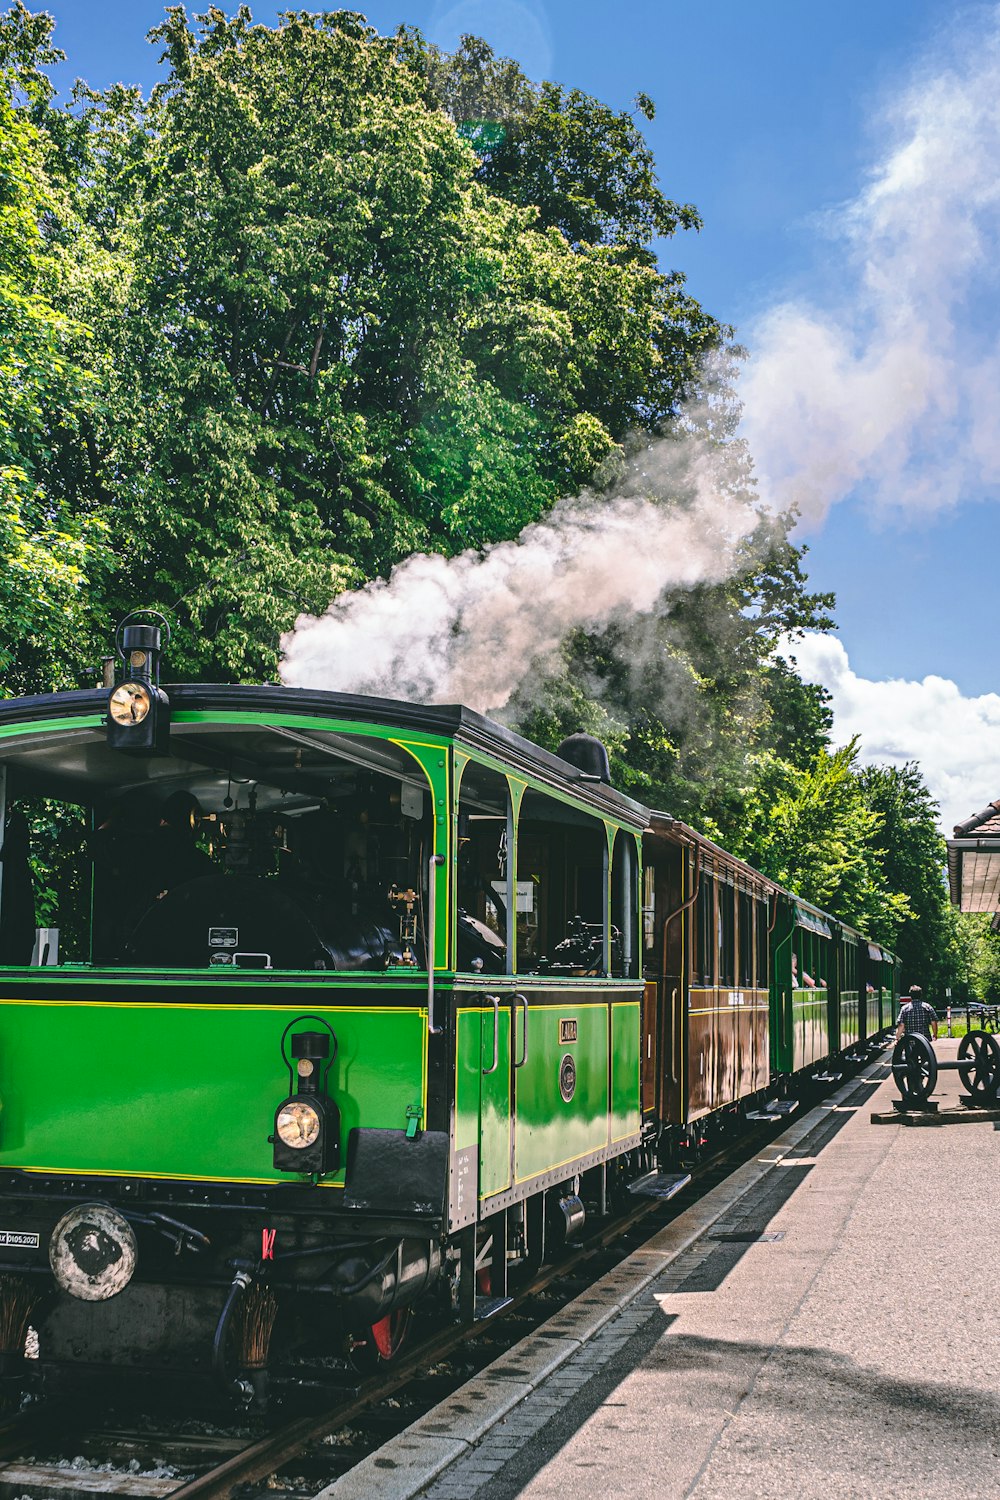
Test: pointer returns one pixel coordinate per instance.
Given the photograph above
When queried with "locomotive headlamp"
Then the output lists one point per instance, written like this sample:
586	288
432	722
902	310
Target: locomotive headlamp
138	710
129	703
307	1124
297	1124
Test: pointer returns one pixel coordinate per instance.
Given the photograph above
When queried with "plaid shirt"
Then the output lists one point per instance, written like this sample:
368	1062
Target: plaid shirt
917	1017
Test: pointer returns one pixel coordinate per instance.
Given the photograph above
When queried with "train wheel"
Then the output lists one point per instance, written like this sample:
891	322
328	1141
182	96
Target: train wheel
382	1343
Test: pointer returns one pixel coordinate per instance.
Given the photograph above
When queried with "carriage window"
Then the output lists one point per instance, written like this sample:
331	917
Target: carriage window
485	883
807	961
760	935
727	935
648	910
561	889
705	944
746	940
257	849
848	967
624	958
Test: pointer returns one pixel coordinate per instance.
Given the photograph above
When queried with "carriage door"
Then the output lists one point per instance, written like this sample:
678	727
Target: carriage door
650	993
662	940
484	951
494	1095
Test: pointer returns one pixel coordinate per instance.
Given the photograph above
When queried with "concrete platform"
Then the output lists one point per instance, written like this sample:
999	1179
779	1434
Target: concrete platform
822	1325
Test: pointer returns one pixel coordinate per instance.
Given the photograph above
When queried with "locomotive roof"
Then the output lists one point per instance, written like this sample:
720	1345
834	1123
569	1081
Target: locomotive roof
450	721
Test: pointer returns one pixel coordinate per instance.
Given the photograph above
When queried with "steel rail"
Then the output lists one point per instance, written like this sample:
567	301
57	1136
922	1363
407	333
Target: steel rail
261	1458
265	1454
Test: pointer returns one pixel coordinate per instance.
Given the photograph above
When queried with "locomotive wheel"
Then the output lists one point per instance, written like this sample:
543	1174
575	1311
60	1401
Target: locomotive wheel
979	1065
914	1068
382	1342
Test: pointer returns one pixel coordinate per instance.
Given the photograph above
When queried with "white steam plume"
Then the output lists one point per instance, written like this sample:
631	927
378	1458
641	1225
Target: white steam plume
470	629
895	387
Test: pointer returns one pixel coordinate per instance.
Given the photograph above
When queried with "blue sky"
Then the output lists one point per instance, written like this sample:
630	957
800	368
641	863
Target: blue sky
771	117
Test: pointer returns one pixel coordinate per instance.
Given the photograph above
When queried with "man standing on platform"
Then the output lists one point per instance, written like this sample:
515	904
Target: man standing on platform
916	1015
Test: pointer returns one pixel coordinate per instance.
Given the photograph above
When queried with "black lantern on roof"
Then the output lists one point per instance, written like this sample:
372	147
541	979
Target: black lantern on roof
138	709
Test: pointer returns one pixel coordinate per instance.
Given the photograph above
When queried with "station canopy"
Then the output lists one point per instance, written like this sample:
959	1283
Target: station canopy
974	862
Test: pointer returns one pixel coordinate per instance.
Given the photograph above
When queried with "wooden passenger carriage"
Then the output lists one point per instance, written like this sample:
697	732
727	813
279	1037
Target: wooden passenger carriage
706	923
747	987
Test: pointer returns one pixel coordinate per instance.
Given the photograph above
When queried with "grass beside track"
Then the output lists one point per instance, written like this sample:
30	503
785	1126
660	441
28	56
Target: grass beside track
959	1026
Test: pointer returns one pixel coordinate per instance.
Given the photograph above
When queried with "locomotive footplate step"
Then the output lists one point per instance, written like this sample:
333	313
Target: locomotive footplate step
827	1077
660	1184
488	1307
776	1110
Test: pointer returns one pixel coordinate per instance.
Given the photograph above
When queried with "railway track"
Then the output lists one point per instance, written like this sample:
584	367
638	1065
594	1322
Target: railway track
53	1451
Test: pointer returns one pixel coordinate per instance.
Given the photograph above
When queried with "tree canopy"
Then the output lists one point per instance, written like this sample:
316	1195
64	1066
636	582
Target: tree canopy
53	544
326	298
326	340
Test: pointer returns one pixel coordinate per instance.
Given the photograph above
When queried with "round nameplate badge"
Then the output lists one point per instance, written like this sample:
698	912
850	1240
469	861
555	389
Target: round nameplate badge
567	1078
92	1252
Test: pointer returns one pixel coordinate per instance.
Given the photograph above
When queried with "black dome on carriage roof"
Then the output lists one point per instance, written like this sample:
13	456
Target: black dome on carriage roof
588	754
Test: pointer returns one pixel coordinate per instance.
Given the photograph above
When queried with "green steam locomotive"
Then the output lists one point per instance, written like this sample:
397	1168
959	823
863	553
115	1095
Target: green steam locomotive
353	1006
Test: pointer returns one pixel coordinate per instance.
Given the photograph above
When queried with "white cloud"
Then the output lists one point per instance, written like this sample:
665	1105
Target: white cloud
955	739
890	383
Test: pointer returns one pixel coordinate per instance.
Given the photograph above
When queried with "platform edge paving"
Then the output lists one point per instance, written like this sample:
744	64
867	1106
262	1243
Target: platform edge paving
401	1467
456	1417
395	1471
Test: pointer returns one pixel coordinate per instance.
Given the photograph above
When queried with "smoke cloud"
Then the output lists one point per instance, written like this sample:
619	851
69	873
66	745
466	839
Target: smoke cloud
893	386
471	629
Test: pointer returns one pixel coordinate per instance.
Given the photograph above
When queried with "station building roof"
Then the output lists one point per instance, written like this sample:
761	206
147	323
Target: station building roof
974	862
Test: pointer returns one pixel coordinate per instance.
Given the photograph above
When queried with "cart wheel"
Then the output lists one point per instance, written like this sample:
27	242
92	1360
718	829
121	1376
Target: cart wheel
979	1065
914	1068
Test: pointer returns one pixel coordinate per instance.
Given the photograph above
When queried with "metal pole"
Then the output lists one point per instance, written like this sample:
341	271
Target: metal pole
433	865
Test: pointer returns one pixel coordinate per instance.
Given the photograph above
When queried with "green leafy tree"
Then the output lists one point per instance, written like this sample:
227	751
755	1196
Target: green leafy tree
587	172
814	831
912	855
977	950
324	341
53	539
